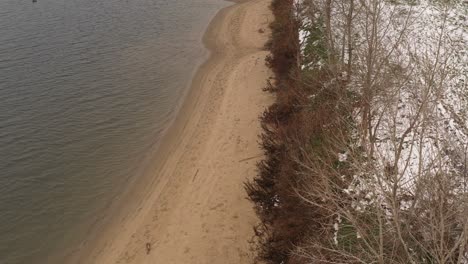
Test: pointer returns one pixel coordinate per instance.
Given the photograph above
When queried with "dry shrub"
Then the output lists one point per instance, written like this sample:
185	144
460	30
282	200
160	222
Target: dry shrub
306	115
308	212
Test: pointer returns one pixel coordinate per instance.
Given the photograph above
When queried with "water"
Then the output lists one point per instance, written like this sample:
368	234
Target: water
86	88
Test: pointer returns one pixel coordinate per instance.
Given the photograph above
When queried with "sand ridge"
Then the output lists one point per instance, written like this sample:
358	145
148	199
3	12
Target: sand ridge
197	211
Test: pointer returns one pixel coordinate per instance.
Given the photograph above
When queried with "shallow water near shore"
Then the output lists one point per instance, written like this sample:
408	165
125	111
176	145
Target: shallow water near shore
86	90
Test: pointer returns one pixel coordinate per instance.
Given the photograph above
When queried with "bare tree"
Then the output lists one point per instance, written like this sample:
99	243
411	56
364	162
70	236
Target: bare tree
394	193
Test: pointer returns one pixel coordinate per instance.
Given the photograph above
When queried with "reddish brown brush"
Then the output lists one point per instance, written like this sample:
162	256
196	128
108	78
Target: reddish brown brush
291	126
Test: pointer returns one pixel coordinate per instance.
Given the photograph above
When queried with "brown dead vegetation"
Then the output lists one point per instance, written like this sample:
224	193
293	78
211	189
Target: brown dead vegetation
307	197
307	114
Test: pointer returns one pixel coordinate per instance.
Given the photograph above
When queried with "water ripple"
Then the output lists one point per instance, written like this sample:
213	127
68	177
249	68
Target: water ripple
86	87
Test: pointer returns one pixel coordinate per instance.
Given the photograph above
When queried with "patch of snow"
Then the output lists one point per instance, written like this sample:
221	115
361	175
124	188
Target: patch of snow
342	157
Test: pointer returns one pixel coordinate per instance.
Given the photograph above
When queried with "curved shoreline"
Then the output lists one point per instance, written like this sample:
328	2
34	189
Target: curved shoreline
193	208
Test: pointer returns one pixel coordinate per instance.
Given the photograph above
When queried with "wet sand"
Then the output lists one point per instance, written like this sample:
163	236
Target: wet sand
194	207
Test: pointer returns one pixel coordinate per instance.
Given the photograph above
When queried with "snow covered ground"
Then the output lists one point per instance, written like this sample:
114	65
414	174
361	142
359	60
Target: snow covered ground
420	102
414	65
422	127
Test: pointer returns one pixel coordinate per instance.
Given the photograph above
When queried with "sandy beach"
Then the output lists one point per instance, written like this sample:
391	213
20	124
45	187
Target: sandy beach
195	209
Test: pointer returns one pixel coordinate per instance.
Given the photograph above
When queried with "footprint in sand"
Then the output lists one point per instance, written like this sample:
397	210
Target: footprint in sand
217	206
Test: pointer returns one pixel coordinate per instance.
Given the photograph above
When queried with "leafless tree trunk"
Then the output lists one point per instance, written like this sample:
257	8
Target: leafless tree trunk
395	198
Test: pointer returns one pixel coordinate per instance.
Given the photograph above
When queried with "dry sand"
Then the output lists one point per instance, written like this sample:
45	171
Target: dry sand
196	209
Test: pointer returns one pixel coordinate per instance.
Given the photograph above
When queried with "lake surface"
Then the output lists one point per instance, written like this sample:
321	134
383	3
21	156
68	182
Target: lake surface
86	89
